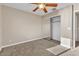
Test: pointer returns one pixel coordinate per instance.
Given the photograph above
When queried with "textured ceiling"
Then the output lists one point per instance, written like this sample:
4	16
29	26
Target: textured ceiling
29	7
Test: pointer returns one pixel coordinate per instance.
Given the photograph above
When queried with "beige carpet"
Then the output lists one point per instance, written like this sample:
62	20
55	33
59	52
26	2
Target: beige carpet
57	49
33	48
73	52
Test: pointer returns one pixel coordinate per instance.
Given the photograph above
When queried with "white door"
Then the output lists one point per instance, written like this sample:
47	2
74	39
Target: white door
56	28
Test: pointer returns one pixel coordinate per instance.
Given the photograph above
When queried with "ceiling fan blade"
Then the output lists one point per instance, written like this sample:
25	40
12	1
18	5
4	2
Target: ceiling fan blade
45	10
51	4
35	9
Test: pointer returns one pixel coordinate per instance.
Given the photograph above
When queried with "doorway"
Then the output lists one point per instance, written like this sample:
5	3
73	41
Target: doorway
55	28
77	29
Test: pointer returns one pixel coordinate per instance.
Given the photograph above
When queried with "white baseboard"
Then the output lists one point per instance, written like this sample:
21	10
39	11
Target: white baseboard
21	42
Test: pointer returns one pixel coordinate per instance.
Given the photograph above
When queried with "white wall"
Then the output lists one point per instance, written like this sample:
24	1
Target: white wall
76	6
66	26
19	26
46	28
66	22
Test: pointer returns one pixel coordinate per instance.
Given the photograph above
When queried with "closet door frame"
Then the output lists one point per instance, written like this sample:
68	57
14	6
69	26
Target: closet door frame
51	25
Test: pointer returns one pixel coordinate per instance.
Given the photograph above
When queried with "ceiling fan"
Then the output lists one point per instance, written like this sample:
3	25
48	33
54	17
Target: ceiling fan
43	6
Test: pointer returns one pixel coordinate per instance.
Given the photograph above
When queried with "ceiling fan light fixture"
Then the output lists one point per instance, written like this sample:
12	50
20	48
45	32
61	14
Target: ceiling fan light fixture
41	6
